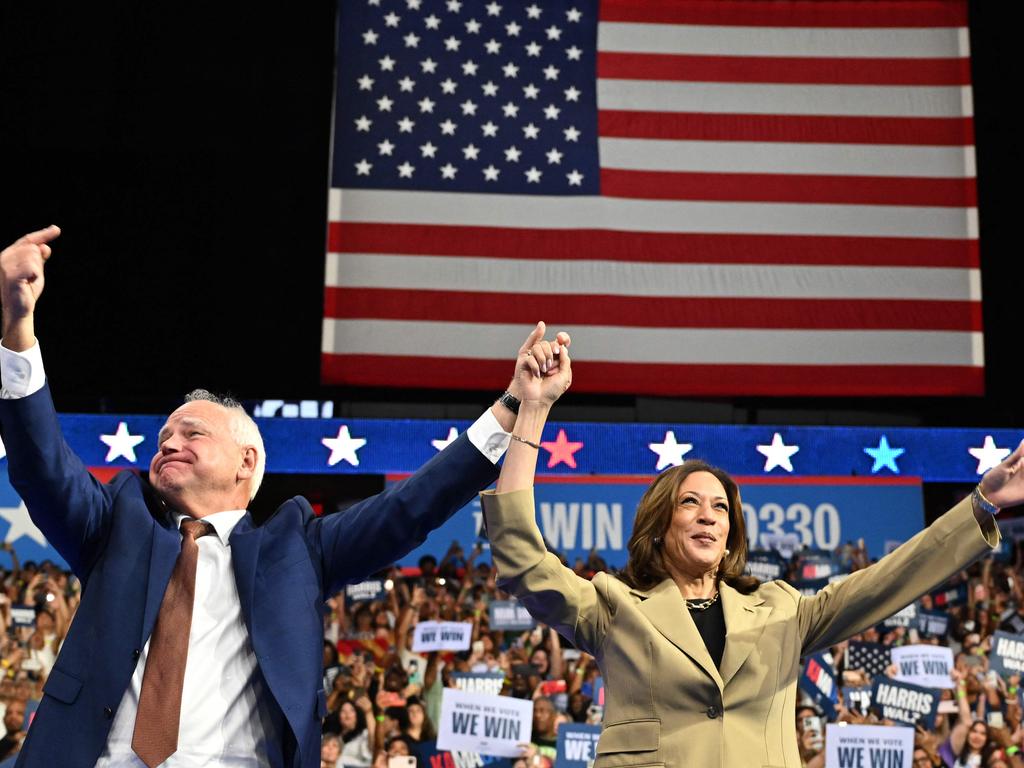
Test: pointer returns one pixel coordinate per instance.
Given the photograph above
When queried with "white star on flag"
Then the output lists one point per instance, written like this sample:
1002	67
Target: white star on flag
989	455
777	454
670	452
21	525
122	443
443	443
344	446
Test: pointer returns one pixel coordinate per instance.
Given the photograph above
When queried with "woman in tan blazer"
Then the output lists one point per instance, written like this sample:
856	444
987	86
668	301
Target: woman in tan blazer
701	662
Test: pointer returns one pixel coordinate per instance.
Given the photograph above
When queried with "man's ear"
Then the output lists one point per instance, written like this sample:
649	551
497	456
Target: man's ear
248	466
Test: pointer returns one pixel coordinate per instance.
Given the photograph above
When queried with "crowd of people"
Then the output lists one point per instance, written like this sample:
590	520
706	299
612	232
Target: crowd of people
384	700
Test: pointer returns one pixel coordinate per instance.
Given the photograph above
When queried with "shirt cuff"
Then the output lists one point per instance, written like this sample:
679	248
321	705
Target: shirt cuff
22	372
488	437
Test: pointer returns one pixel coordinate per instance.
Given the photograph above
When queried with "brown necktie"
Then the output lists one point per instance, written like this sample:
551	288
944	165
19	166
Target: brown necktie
156	722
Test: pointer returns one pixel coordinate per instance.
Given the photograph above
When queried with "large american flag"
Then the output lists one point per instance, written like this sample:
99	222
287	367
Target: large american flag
715	198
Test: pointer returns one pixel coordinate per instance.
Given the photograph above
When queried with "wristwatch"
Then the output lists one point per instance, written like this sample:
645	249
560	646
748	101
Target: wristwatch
510	401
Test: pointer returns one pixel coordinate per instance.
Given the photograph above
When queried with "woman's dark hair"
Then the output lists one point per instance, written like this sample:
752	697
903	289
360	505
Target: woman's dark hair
347	736
646	566
400	715
986	751
428	732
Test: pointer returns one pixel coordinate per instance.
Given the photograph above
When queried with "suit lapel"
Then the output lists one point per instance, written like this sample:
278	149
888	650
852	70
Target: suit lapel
245	548
665	609
745	617
164	551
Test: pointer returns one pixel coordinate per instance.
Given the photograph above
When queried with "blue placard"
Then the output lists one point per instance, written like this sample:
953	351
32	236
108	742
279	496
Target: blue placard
577	745
935	623
857	699
905	702
365	591
818	680
509	615
479	682
1007	654
765	566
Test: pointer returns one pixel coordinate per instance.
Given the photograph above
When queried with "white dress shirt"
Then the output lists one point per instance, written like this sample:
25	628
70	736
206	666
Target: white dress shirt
226	717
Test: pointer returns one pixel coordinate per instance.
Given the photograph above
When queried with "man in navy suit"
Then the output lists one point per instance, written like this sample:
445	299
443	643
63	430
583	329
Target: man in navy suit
252	692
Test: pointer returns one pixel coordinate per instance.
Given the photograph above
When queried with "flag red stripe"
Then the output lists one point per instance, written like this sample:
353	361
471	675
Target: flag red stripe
801	13
653	311
815	129
659	247
783	69
788	188
664	379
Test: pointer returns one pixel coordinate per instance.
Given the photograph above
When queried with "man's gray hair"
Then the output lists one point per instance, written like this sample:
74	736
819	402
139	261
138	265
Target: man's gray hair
243	430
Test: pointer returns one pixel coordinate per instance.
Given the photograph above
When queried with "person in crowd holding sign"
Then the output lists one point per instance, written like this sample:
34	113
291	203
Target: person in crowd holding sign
700	661
246	686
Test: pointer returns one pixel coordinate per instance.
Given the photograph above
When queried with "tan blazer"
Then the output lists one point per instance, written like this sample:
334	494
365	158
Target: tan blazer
665	702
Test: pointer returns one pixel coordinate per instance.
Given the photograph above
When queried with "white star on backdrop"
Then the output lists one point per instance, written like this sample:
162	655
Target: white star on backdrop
121	444
670	452
443	443
343	447
777	454
989	455
21	525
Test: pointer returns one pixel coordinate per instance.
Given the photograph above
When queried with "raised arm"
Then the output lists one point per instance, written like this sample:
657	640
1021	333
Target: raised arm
65	501
951	543
551	592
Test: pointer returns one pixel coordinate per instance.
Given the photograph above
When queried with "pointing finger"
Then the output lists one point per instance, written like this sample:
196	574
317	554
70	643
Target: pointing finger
535	335
41	236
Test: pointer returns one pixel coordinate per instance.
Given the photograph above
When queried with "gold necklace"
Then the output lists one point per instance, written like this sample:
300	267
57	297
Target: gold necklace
701	605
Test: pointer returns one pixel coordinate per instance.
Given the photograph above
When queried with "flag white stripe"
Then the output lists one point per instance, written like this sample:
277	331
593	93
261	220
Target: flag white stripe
773	99
598	278
630	215
782	157
658	345
708	40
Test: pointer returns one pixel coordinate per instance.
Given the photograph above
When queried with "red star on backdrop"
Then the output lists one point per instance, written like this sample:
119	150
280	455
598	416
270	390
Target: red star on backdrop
561	450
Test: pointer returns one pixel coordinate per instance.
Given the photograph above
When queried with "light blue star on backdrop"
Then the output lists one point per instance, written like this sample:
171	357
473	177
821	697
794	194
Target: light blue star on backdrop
884	456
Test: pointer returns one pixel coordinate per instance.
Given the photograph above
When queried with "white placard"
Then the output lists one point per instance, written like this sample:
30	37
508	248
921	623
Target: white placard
479	722
866	746
925	665
442	636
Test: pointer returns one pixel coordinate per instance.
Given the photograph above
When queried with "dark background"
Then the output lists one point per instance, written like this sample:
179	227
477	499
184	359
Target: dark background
185	150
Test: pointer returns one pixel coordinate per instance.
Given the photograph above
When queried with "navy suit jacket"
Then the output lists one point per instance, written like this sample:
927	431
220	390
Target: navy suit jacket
122	544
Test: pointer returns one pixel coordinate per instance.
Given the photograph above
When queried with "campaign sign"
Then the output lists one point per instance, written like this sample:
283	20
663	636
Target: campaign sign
577	745
365	591
1007	654
819	681
905	702
924	665
442	636
933	623
577	517
765	566
490	725
509	615
868	746
429	756
857	699
904	618
950	596
479	682
23	615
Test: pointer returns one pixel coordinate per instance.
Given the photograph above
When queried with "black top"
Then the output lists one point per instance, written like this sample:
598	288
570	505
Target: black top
711	625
